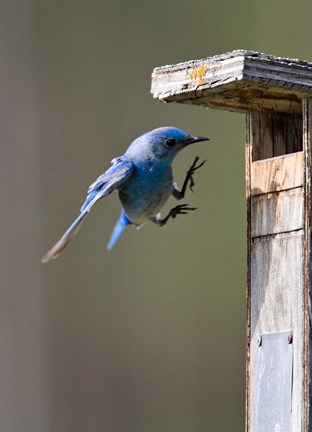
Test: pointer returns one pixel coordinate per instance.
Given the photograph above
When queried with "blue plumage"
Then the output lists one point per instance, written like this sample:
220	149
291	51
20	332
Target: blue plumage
144	180
121	224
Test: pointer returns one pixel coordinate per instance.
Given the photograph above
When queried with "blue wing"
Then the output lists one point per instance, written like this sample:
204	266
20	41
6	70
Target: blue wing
112	179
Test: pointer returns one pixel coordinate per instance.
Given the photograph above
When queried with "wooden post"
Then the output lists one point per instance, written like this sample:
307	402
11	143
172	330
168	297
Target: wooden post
276	95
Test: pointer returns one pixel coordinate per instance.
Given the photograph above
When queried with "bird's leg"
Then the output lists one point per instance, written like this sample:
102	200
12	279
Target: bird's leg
179	194
179	209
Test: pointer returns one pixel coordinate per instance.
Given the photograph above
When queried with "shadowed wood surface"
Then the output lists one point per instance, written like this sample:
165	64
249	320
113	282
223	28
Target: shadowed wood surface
306	402
274	134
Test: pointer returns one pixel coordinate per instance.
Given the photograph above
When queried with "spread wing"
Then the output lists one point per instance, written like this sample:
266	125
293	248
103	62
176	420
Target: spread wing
112	179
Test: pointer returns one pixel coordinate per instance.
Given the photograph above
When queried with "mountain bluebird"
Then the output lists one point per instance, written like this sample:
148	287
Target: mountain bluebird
143	178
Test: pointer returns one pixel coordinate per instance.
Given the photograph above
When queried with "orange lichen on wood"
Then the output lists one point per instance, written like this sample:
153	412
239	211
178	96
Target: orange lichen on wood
198	74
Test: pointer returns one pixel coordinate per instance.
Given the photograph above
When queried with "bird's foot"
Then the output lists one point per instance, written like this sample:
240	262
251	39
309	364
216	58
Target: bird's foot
179	209
191	171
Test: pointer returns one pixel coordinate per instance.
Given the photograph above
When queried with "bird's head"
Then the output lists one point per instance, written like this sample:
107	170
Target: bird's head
163	143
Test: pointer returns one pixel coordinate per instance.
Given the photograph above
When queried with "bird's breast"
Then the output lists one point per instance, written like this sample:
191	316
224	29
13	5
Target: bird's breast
145	193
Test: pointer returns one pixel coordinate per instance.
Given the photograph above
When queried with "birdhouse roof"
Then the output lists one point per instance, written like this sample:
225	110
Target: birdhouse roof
237	81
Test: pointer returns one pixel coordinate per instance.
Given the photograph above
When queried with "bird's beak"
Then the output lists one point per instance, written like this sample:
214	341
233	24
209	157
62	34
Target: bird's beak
193	140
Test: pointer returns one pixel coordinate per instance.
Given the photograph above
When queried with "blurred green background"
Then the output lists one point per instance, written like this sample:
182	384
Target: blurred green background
149	337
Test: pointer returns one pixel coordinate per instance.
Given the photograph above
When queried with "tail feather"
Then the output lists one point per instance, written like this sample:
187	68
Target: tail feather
58	248
121	224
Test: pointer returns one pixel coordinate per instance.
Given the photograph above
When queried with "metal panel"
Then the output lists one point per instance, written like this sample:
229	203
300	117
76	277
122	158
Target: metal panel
274	382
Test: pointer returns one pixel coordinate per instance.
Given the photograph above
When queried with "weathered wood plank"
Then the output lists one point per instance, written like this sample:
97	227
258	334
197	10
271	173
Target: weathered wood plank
276	305
277	212
306	403
276	266
275	249
248	157
277	174
239	80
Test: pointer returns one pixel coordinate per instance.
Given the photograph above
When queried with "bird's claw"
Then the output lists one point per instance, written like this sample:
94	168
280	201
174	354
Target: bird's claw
173	213
180	209
192	170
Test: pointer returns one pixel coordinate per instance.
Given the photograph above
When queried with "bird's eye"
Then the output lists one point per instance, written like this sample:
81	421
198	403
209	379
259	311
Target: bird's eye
170	142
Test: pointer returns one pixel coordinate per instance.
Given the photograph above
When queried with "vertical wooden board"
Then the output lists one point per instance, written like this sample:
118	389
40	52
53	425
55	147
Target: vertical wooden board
275	134
307	257
262	144
286	134
293	133
275	293
248	157
276	304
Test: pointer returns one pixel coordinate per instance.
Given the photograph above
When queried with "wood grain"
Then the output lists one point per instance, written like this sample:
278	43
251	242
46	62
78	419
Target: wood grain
275	134
277	174
276	94
276	233
306	402
277	212
238	81
277	305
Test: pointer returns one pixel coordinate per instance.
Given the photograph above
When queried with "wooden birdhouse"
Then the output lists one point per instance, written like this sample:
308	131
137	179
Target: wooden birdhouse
275	94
